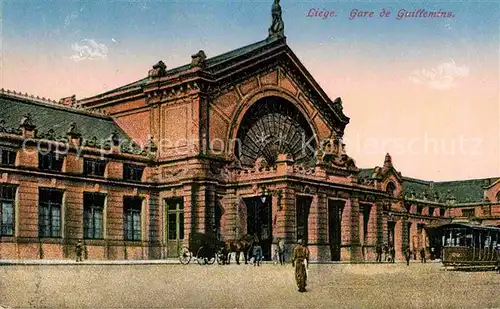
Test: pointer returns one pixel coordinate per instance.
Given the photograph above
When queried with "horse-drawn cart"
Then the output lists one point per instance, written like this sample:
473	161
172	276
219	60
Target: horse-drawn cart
204	247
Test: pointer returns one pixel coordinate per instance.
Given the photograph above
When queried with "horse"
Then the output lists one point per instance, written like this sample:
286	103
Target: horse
238	246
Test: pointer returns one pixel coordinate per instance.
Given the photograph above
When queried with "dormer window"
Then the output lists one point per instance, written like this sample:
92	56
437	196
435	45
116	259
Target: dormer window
390	189
94	167
132	172
468	212
50	161
7	157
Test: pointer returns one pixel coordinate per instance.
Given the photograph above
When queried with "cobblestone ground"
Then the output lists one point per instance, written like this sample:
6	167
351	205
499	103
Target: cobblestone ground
245	286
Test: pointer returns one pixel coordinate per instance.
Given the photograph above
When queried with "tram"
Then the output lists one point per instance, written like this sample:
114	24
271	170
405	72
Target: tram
466	245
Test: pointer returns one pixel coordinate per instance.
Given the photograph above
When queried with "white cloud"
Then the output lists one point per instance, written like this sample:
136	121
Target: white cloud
70	18
89	49
442	77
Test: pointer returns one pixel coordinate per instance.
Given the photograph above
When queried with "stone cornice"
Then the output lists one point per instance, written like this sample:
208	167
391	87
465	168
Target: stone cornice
74	177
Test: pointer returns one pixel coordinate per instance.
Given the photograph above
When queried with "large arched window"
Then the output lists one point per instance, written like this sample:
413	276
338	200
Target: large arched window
390	188
274	126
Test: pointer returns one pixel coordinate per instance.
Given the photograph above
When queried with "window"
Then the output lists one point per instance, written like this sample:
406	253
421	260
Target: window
303	204
487	210
431	211
442	211
50	161
175	215
7	157
132	217
468	212
94	167
132	172
7	198
390	189
93	205
49	213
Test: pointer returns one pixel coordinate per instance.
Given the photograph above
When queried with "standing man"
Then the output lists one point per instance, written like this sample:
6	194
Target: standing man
422	255
378	250
78	250
407	256
393	254
281	251
299	258
257	254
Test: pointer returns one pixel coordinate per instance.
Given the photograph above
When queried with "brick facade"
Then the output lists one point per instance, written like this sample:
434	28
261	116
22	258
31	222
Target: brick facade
187	121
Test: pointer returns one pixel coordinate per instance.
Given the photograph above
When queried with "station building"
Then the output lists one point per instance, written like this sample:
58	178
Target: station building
245	142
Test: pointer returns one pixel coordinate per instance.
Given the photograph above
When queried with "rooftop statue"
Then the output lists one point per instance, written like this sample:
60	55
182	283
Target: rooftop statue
277	28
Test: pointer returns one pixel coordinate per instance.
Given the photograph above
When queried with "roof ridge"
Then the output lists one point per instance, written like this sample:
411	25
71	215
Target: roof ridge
137	82
467	180
215	60
52	103
411	179
233	51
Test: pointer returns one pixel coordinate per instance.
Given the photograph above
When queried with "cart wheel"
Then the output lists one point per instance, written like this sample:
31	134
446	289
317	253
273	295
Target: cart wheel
211	259
199	256
185	256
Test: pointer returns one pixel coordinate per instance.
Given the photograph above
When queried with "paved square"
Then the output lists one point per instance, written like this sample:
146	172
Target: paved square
245	286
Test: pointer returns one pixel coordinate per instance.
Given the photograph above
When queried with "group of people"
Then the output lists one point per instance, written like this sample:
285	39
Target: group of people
278	255
389	254
388	251
409	253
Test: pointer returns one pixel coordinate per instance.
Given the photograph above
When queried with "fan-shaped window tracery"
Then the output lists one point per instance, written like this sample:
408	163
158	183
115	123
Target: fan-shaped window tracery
274	126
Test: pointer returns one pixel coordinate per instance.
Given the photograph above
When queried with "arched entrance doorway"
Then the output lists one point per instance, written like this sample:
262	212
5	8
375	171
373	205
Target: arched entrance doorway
273	126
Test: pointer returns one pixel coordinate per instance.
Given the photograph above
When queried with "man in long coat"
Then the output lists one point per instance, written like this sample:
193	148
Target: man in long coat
299	259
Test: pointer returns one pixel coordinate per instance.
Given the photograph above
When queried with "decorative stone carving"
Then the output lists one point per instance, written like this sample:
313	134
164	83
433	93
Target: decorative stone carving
27	122
277	28
337	104
172	172
114	138
73	131
158	70
150	145
198	59
260	164
5	129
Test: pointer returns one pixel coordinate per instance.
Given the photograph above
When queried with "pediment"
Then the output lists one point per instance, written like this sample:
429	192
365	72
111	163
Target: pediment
275	56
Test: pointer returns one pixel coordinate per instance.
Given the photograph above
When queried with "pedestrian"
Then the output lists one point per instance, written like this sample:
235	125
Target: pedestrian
300	261
275	256
414	253
281	251
393	254
498	259
378	251
257	254
422	255
78	250
407	256
386	252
